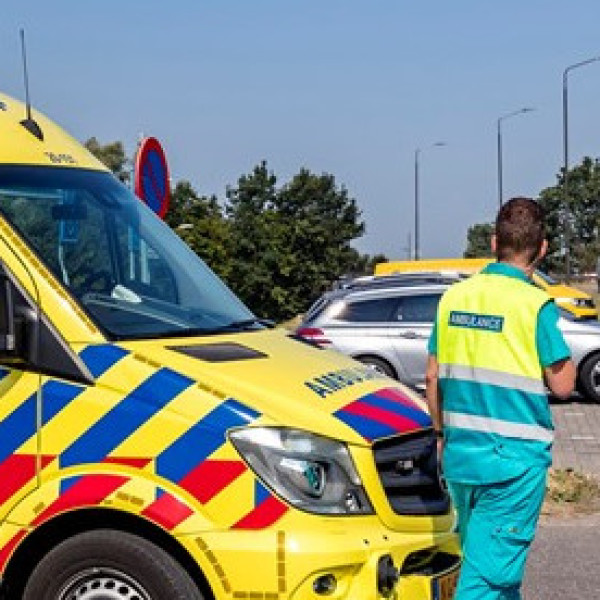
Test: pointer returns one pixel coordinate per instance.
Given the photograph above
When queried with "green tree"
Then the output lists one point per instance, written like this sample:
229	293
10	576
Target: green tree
291	243
364	264
584	210
320	220
113	156
256	241
200	222
478	241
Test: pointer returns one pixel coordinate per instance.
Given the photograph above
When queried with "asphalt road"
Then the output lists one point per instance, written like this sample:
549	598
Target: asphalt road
564	563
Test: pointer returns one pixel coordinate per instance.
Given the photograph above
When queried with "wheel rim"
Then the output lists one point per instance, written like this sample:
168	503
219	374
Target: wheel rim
377	367
102	584
595	378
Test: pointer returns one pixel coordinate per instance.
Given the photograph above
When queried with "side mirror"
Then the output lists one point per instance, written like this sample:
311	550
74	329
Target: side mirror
28	341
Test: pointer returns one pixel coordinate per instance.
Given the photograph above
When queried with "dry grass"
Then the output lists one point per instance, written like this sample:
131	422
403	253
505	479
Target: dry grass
292	323
569	492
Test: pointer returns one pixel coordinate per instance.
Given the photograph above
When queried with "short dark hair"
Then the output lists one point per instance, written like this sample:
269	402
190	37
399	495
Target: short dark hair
519	229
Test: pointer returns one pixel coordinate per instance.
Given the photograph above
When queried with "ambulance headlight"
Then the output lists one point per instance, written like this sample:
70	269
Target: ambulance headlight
313	473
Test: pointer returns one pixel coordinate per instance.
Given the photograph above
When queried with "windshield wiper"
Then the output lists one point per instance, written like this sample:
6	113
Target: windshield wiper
242	325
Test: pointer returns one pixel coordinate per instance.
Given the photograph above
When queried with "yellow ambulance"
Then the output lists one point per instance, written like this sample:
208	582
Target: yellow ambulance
578	303
158	442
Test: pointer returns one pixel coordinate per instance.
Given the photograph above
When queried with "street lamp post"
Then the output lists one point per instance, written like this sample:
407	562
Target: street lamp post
417	153
566	207
499	129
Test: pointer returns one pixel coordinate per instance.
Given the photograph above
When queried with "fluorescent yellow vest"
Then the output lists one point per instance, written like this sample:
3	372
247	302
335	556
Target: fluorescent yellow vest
496	417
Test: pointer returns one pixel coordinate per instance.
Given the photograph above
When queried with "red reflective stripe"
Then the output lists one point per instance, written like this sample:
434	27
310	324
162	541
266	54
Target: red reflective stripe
397	396
90	490
167	511
128	461
210	477
6	551
381	415
265	514
16	470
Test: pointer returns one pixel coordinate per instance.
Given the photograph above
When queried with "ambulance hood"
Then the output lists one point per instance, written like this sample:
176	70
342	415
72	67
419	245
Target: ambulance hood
291	383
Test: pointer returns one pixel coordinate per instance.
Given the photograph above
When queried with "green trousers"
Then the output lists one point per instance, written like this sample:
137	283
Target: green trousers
497	524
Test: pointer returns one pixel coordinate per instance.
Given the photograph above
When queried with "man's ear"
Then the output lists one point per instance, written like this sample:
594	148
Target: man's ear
543	250
493	244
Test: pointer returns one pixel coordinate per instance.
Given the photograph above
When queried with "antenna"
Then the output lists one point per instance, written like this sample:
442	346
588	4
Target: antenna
28	122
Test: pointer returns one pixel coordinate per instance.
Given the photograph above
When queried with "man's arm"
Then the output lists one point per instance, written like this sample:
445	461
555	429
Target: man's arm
554	353
560	378
432	392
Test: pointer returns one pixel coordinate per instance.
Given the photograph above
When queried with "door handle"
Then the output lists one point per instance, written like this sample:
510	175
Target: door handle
408	335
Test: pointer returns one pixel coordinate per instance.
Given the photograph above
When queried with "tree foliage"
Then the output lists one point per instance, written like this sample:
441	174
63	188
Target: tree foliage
288	244
583	205
583	214
200	222
112	155
478	241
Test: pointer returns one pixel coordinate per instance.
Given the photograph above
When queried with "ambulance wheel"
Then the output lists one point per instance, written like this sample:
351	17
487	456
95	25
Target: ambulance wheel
109	565
589	378
379	365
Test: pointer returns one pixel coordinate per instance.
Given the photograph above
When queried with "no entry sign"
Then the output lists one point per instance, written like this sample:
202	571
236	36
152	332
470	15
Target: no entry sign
152	176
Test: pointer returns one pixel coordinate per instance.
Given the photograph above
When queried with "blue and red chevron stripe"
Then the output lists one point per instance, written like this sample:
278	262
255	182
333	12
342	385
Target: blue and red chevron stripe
267	510
167	511
187	460
386	412
88	490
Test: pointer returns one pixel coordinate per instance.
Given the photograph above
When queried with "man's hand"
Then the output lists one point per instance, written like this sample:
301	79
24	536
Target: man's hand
432	392
560	378
440	450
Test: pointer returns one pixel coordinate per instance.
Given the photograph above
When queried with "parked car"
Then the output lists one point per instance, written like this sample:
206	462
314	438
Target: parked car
580	304
388	326
385	327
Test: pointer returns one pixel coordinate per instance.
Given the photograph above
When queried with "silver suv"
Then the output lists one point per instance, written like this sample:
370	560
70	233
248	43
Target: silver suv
387	324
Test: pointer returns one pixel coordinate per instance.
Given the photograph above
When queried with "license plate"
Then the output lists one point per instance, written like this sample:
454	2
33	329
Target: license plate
445	586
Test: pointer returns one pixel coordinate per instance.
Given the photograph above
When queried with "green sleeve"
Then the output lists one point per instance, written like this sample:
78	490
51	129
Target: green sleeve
551	345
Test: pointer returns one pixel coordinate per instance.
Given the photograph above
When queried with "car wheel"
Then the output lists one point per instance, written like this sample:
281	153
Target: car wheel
379	365
107	564
589	378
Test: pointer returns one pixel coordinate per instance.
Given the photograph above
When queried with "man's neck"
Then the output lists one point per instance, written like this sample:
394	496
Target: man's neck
520	262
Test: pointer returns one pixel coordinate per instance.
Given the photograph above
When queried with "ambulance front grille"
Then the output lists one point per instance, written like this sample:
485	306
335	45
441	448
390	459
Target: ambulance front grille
407	467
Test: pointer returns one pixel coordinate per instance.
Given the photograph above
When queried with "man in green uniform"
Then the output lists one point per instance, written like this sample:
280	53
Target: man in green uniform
494	349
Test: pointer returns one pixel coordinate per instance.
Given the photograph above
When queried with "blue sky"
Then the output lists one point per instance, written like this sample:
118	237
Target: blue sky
347	87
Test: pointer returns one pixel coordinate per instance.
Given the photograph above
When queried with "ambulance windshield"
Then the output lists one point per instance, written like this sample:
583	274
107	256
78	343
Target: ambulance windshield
127	269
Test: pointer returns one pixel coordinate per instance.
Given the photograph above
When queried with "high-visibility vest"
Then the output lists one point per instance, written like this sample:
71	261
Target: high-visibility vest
497	422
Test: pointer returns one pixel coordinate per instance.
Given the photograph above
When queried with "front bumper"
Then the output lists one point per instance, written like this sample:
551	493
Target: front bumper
285	563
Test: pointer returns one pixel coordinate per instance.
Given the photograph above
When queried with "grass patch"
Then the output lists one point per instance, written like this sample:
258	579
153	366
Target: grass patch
570	492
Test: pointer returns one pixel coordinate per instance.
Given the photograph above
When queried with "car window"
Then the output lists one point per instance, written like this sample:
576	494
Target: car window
418	309
369	311
317	307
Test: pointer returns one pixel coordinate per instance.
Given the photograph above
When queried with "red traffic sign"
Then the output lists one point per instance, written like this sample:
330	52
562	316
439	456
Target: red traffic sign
152	176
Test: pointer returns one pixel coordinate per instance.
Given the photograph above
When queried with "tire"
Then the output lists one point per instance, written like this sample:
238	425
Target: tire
109	565
379	365
589	378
